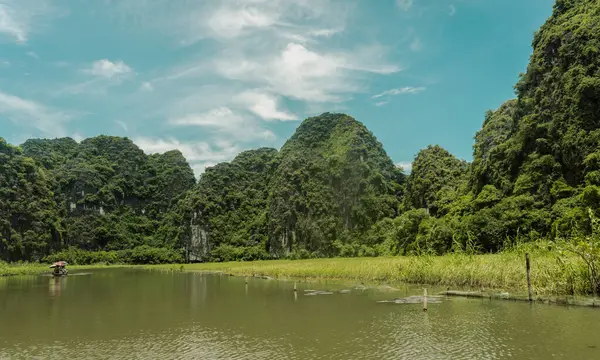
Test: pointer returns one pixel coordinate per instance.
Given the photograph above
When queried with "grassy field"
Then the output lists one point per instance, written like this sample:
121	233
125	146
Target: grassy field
37	269
494	272
497	272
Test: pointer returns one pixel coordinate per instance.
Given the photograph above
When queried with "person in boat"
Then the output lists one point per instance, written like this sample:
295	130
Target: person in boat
59	268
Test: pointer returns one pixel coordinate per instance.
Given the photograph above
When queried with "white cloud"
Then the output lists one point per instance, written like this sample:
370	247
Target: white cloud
199	154
11	25
263	44
189	21
406	166
264	105
20	18
32	54
303	74
381	103
4	63
108	69
218	118
232	21
326	32
452	10
404	5
48	121
225	124
104	74
399	91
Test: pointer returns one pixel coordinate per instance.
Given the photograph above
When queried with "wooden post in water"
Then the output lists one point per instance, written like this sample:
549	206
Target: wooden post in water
295	287
424	299
528	277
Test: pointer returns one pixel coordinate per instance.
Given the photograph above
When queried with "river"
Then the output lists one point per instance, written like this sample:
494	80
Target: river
139	314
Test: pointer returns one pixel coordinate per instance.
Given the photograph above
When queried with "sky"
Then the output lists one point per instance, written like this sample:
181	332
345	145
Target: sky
213	78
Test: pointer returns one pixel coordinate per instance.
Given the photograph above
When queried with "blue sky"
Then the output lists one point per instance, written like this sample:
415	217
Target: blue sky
216	77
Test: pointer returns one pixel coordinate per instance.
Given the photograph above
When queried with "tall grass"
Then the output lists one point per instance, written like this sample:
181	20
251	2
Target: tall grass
494	272
23	268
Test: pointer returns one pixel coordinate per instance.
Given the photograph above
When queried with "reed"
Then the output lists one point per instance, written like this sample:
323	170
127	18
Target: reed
494	272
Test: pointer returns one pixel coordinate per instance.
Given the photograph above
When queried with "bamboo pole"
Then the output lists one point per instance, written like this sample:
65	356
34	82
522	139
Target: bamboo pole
527	264
424	299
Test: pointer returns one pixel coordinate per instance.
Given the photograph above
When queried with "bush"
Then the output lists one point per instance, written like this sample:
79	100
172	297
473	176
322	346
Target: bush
299	254
77	256
145	254
226	252
140	255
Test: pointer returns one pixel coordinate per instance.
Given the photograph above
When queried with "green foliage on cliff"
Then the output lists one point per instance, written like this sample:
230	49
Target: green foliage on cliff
29	221
227	209
104	193
333	182
319	196
436	177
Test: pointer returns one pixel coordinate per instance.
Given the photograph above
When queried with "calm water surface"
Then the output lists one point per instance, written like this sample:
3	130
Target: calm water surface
136	314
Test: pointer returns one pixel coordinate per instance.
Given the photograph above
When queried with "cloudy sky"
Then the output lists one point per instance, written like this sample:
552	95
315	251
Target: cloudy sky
215	77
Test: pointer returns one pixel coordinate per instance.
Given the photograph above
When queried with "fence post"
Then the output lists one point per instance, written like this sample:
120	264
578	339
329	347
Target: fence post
528	276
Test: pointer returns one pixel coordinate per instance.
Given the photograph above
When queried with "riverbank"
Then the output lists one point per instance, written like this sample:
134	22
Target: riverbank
498	273
23	269
504	272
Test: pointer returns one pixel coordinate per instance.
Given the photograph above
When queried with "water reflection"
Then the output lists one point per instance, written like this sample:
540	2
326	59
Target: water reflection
56	285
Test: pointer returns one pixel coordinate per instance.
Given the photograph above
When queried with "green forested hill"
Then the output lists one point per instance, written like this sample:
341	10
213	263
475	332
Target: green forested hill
333	182
332	190
104	194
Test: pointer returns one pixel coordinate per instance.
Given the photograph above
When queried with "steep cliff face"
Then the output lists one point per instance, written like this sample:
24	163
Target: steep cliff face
227	209
493	161
29	220
109	193
333	181
554	124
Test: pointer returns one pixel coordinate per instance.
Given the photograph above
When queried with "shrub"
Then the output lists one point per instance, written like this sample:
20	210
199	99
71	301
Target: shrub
140	255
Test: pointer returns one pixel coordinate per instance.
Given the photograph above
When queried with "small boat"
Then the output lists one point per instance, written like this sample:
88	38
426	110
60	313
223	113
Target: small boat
59	268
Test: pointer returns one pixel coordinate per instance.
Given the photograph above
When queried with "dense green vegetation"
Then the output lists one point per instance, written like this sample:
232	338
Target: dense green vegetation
332	190
102	194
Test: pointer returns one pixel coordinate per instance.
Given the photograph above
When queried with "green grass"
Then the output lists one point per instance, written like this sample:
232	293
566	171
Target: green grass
37	268
494	272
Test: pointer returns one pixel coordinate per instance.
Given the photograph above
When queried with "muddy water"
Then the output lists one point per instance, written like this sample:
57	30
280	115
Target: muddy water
136	314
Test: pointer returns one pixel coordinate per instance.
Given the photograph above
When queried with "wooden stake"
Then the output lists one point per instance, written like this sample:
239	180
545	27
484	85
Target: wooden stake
295	287
528	277
424	299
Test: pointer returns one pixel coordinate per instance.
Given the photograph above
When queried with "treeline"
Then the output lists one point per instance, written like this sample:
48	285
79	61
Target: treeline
332	190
